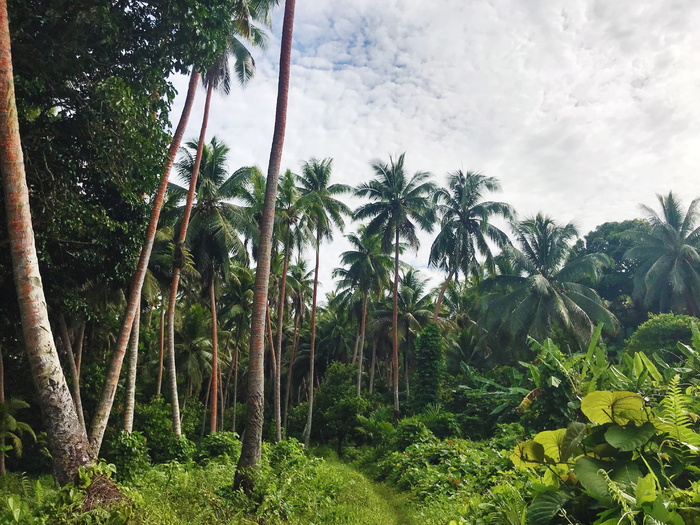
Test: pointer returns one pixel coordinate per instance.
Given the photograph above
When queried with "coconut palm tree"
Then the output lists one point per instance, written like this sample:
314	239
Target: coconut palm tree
251	449
545	288
465	228
323	211
667	278
399	204
367	271
212	235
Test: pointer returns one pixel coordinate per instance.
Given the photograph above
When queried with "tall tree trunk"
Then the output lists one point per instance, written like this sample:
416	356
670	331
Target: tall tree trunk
295	342
226	384
363	322
213	426
67	440
357	345
161	348
72	368
312	353
373	366
130	401
441	295
271	342
395	331
2	401
278	344
79	351
179	261
252	437
104	407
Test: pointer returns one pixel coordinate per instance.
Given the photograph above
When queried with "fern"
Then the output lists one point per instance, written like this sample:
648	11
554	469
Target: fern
675	418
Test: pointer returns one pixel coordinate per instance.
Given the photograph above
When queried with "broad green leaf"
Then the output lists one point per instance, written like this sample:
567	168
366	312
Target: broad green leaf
575	434
552	441
629	437
545	507
527	454
586	470
645	490
651	368
612	407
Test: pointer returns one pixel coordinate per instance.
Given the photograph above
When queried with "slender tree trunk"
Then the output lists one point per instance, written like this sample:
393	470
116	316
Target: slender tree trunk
312	353
104	407
161	348
72	367
441	295
271	342
252	437
278	344
395	331
357	345
235	386
363	322
3	470
226	384
67	440
170	349
79	352
179	261
130	401
213	426
373	366
295	342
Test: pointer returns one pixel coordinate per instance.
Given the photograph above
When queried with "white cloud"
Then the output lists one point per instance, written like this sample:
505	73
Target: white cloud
582	109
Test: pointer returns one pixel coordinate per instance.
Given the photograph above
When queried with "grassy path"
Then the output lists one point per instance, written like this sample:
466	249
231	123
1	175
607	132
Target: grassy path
362	501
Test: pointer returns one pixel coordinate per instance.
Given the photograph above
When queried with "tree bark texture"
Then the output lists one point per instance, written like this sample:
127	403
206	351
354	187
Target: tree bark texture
104	407
72	368
130	400
67	440
252	437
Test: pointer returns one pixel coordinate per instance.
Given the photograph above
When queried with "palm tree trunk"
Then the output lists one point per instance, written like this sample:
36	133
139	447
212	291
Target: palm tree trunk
357	345
213	427
278	344
73	369
252	437
170	349
68	442
441	295
373	366
312	354
295	342
271	342
131	375
79	353
104	407
178	262
363	322
395	331
161	348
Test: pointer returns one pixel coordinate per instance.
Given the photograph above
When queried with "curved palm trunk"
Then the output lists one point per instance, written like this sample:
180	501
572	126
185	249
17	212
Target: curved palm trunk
363	322
73	369
161	348
373	366
131	375
68	442
312	353
278	345
441	295
395	332
295	343
214	359
178	262
104	407
252	438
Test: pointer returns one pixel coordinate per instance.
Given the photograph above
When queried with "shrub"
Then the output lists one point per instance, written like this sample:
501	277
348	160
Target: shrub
220	444
410	430
430	369
128	453
660	334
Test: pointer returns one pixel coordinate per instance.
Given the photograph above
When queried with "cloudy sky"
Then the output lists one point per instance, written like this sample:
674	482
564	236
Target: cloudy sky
582	109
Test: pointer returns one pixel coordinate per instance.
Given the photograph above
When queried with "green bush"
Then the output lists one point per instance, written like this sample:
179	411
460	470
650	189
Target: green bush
410	430
660	335
155	421
220	444
430	366
128	453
